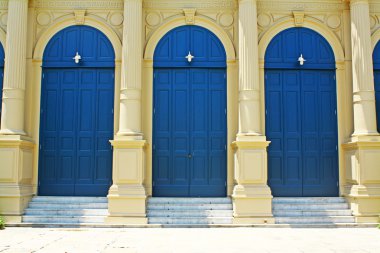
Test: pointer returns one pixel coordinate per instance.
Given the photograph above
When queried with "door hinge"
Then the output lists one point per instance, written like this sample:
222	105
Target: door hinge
334	77
154	75
225	76
40	146
225	111
225	147
225	183
266	111
154	147
112	110
154	110
153	183
43	75
113	76
39	183
337	183
266	76
335	112
42	111
336	147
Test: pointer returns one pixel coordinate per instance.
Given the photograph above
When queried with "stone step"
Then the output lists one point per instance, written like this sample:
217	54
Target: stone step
66	212
308	200
189	206
68	200
294	213
315	220
63	219
176	201
194	213
200	221
309	206
63	206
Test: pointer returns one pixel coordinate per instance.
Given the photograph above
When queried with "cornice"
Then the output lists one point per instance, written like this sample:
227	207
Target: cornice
180	4
302	5
374	6
77	4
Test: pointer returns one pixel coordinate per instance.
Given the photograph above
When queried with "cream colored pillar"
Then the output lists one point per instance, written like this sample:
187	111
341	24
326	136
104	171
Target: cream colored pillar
127	195
362	153
252	199
16	152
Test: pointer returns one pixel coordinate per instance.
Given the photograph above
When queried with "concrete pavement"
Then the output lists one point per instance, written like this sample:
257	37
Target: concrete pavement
196	240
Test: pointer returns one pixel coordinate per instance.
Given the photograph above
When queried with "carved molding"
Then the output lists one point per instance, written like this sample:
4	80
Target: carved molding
156	18
79	16
189	16
3	19
191	4
374	7
302	5
77	4
46	18
298	18
331	20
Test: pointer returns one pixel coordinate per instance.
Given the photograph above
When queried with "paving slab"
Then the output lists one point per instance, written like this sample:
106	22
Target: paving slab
194	240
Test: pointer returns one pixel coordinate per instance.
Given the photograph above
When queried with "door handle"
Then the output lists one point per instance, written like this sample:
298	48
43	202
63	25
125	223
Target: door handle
189	156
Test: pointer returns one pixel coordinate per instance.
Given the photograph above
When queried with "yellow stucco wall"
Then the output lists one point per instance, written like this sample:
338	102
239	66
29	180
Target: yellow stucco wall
330	18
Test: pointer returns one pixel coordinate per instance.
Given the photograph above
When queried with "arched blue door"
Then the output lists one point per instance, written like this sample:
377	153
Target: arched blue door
376	65
301	120
189	121
75	157
1	75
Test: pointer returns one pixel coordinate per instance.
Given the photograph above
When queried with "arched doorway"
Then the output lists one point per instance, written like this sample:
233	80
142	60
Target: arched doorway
301	115
76	123
2	55
376	65
189	114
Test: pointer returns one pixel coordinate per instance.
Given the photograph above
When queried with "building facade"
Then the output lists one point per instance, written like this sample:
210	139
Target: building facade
137	98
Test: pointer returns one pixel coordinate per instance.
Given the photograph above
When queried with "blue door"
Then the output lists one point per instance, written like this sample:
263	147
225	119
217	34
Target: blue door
301	120
376	64
1	75
189	121
75	157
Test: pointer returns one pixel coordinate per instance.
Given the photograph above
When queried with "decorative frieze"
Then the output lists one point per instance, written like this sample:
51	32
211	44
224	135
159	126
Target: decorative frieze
77	4
180	4
302	5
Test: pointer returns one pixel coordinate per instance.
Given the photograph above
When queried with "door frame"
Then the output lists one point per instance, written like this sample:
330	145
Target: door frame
232	90
343	76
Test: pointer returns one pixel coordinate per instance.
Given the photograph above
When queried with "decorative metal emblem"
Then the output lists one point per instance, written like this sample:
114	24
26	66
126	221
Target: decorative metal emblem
301	60
77	58
189	57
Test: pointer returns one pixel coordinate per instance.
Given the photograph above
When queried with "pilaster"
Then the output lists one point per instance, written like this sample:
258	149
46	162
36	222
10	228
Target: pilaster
252	199
12	118
130	93
127	195
16	150
362	152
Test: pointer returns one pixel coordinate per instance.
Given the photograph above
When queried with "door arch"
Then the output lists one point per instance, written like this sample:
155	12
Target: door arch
76	121
301	120
376	70
189	119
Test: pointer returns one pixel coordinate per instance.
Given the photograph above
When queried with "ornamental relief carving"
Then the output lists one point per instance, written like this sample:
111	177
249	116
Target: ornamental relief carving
46	18
375	22
332	21
3	20
156	18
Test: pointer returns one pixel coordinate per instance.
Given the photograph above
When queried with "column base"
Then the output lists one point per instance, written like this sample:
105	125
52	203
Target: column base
252	204
127	196
252	198
16	156
362	189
